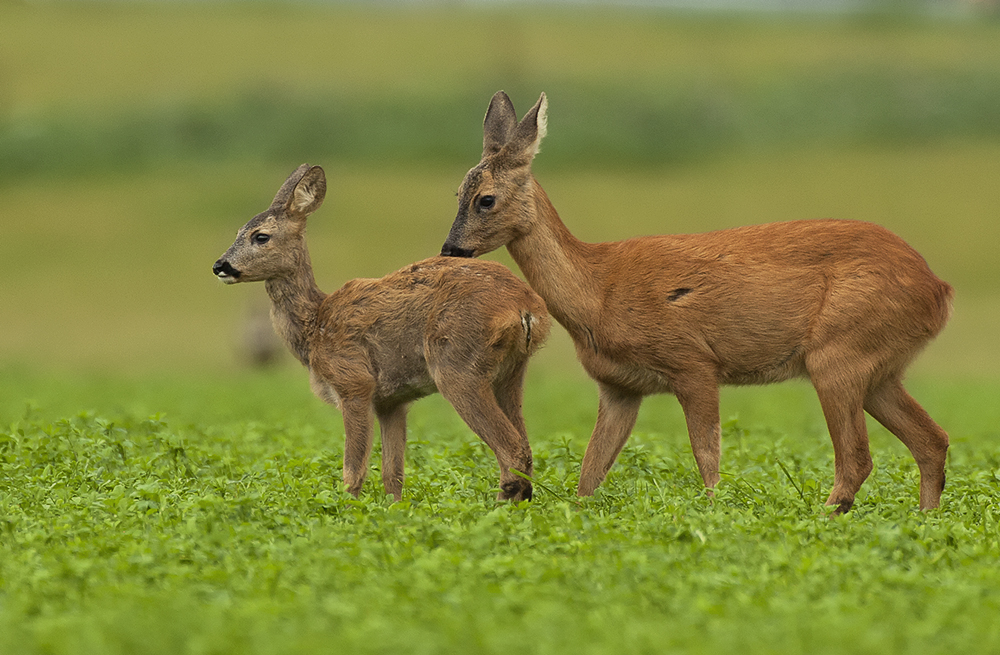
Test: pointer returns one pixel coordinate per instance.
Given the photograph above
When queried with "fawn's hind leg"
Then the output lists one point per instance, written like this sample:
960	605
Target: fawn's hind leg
473	399
509	392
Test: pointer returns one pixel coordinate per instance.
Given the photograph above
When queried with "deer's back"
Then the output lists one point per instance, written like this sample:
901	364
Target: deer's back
752	301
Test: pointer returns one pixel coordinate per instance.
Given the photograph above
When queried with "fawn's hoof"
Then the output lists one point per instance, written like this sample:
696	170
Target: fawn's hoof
515	490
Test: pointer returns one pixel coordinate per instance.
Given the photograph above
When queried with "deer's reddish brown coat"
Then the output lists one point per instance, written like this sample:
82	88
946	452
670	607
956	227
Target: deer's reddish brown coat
846	304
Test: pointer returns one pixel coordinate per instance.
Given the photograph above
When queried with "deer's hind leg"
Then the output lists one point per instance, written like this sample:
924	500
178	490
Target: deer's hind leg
890	404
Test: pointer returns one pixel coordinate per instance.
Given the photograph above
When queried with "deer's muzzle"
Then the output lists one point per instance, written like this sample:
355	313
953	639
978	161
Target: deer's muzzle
225	272
448	250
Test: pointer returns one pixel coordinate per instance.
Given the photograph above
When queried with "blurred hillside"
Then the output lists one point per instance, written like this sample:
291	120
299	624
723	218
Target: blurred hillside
136	138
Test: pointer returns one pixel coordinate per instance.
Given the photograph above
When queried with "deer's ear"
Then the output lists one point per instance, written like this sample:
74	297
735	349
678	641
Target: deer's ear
308	193
527	137
499	123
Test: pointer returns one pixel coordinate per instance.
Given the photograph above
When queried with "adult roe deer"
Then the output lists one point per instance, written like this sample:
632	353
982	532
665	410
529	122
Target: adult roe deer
845	303
464	328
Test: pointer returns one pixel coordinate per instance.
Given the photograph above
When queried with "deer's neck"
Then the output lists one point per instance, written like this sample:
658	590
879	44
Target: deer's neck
295	301
563	270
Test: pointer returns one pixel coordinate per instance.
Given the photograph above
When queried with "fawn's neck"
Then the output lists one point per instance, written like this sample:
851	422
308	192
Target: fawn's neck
563	270
295	301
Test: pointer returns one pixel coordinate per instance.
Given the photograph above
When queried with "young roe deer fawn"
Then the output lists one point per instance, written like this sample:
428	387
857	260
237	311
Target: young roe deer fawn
464	328
845	303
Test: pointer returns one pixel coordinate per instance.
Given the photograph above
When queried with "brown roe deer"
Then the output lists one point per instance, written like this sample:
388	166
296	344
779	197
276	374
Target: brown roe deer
464	328
846	304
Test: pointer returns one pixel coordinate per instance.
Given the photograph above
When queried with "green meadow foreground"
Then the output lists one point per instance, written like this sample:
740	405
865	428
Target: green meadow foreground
220	526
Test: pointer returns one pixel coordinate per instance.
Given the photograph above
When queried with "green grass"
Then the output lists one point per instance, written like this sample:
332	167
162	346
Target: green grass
219	527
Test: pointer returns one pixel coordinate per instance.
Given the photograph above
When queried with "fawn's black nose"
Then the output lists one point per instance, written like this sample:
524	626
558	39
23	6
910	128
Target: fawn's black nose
448	250
224	269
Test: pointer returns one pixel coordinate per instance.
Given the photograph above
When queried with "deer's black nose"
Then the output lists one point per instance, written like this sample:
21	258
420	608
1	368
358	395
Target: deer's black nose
449	250
224	269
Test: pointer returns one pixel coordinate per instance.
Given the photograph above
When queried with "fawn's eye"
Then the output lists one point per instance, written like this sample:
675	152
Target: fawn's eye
485	202
261	238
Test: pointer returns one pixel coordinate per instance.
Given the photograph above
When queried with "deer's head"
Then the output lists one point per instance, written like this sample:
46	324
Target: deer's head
272	243
494	201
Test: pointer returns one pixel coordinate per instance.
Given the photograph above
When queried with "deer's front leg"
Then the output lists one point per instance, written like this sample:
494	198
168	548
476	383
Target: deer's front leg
616	416
358	427
699	398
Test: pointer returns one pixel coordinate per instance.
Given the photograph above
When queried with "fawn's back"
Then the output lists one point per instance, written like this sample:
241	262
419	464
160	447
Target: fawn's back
401	329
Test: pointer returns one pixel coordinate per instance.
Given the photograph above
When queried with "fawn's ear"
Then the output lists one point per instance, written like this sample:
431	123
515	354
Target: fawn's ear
499	123
308	193
527	136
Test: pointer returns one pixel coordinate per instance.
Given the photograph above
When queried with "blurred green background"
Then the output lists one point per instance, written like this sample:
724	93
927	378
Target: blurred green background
135	138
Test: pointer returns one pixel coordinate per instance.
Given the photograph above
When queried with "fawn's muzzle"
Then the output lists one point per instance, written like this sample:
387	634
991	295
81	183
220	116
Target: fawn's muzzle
448	250
224	271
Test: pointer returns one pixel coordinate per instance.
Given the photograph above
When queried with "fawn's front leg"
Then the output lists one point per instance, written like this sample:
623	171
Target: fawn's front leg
392	425
358	428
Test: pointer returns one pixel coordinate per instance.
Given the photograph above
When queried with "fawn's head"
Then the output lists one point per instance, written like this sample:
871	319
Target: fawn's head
272	243
494	199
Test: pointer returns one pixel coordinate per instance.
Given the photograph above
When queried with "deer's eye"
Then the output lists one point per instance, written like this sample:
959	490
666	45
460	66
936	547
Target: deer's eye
261	238
485	202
